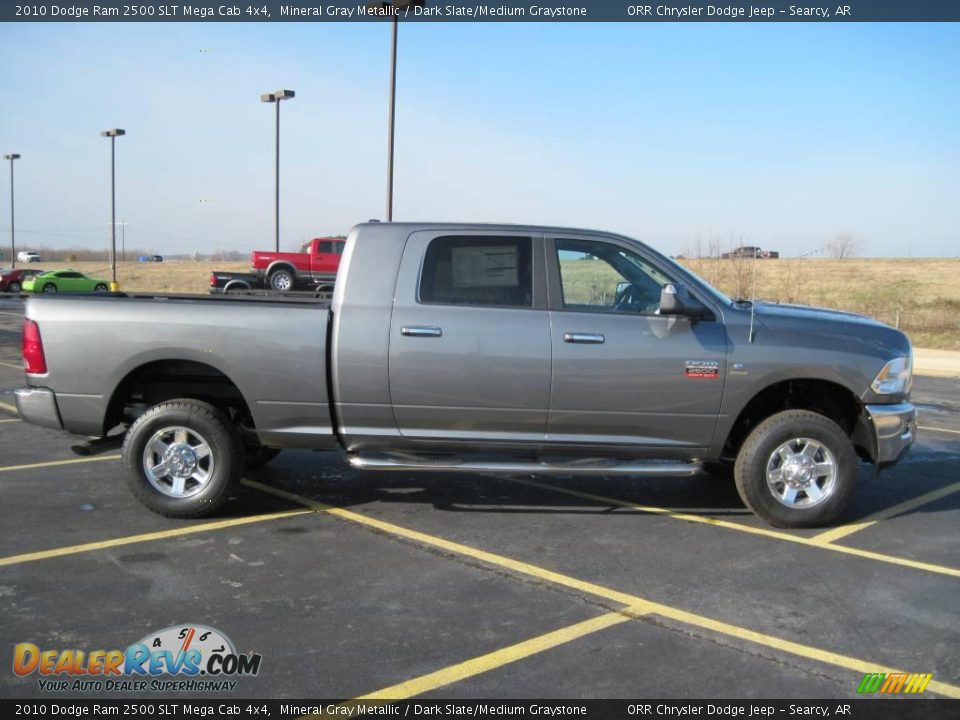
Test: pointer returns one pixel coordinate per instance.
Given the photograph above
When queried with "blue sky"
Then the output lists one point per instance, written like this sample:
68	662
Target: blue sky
780	134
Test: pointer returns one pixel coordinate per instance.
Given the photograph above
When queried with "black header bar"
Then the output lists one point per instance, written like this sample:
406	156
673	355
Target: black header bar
485	11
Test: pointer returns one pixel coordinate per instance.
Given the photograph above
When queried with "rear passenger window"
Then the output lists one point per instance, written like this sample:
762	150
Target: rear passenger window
478	270
325	247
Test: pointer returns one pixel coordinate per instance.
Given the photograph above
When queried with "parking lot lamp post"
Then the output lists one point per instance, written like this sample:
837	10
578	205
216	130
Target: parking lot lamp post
13	245
396	6
113	134
277	97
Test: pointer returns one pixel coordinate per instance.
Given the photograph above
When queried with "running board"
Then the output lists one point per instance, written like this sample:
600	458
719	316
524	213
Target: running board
591	466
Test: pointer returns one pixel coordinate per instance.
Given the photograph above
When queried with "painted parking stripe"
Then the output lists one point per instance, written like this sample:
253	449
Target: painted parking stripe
800	540
493	660
843	531
8	408
19	315
638	604
934	429
11	365
56	463
12	420
147	537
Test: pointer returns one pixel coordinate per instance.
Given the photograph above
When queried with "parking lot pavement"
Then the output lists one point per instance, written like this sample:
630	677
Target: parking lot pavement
356	583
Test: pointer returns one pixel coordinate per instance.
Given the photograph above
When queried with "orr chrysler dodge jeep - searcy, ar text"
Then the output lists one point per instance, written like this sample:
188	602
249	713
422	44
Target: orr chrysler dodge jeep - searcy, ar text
486	348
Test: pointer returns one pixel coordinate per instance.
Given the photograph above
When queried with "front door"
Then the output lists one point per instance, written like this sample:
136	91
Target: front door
470	339
623	375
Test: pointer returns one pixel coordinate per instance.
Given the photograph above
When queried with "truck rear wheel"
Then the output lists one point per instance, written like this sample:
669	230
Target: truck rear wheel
281	279
796	469
181	458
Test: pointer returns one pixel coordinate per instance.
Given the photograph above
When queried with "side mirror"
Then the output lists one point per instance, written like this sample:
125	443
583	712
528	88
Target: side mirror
621	289
675	300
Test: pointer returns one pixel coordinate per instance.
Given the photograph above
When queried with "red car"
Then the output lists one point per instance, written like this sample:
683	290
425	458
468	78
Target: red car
11	280
317	262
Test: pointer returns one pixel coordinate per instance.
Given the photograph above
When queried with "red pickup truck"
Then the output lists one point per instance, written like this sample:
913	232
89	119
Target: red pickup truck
316	263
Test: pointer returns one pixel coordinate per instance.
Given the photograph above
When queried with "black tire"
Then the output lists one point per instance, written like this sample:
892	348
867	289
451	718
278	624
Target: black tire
50	288
13	287
210	425
282	279
100	287
757	451
259	456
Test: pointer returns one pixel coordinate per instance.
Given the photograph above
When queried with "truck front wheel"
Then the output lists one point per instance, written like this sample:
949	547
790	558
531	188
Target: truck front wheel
281	279
181	458
796	469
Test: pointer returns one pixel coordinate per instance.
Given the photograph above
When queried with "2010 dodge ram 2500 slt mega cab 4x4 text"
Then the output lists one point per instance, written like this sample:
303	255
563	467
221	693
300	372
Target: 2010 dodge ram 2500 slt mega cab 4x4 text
490	348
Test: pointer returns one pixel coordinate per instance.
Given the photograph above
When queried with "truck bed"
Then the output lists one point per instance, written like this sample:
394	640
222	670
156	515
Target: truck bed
277	362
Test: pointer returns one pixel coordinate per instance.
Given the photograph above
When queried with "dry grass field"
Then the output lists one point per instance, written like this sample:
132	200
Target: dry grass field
921	296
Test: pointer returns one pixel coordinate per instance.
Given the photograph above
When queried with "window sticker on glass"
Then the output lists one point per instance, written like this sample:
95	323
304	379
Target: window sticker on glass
490	266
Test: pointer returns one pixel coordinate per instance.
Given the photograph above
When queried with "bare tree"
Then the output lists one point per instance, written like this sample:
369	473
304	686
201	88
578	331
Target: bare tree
842	246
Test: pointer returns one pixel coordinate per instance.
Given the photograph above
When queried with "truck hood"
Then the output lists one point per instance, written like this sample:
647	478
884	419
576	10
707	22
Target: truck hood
827	328
807	313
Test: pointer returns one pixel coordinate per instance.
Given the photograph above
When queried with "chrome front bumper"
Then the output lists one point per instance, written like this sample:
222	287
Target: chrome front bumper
895	428
39	407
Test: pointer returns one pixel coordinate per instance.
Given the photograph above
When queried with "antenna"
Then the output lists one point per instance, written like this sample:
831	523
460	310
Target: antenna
753	294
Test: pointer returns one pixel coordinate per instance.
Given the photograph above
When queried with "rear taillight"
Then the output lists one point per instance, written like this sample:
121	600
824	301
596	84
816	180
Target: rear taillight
213	280
33	360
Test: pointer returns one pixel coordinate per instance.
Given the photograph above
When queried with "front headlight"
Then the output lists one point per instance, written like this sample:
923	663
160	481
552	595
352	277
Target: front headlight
895	377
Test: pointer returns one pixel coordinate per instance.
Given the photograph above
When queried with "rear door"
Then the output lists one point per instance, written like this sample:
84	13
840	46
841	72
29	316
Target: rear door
326	259
623	375
470	338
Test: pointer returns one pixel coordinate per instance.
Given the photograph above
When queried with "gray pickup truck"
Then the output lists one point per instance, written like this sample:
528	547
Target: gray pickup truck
480	348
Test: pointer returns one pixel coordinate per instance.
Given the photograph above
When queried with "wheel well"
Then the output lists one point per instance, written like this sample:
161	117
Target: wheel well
822	396
281	266
163	380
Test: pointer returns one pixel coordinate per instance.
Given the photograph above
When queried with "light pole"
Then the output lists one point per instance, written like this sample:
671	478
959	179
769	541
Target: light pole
396	6
277	97
113	134
13	245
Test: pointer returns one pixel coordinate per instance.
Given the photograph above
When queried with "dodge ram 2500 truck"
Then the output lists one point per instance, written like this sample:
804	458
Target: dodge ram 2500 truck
480	348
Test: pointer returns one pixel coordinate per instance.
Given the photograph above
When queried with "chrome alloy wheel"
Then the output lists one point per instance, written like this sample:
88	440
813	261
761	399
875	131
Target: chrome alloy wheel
178	461
282	280
801	473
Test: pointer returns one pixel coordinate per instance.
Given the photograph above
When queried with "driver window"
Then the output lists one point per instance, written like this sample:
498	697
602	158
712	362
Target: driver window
603	277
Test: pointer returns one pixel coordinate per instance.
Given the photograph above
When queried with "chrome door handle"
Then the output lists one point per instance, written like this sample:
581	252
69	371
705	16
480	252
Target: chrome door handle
421	331
587	338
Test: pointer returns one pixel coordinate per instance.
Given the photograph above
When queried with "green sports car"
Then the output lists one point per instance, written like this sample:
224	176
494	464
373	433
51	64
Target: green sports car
64	281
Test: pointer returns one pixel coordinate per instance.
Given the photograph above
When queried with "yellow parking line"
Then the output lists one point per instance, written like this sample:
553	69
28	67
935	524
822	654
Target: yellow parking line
146	537
799	540
836	533
520	567
493	660
55	463
943	430
637	604
11	365
11	408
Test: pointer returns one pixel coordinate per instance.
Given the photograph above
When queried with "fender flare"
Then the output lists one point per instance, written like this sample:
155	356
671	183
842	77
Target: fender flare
280	264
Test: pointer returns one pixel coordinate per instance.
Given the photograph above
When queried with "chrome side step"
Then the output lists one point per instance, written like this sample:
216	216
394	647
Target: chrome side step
588	466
